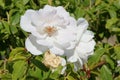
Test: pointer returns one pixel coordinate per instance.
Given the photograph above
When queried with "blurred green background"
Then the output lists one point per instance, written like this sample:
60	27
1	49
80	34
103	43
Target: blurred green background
104	20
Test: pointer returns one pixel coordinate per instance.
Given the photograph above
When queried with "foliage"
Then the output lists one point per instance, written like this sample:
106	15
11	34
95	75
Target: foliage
18	64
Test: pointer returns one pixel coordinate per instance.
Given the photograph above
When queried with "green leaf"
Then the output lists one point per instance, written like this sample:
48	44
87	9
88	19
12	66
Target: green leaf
117	4
39	64
25	1
18	54
70	77
112	13
101	6
17	50
1	26
34	6
115	29
105	73
117	52
13	29
6	76
117	78
15	19
110	61
110	22
46	75
56	73
6	25
36	73
19	69
2	3
79	13
19	4
94	59
86	3
97	2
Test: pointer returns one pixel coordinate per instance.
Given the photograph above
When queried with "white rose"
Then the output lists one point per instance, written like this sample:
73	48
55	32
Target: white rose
85	45
51	28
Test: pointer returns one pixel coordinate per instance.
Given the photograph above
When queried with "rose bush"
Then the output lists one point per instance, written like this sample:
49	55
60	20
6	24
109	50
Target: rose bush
16	63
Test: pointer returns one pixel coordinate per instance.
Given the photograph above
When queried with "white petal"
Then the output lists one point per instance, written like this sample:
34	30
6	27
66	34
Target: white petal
80	32
90	53
87	36
78	65
56	16
63	63
43	17
72	45
57	51
72	22
47	16
69	53
118	63
48	8
58	21
82	23
63	70
80	61
33	47
68	20
83	56
37	19
38	35
82	26
84	47
30	47
44	43
73	59
65	37
62	12
25	21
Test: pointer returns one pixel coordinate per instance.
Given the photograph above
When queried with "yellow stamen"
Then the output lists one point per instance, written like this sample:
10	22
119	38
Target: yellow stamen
50	30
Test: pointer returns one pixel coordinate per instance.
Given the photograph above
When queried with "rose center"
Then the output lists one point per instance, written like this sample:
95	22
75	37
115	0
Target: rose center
50	30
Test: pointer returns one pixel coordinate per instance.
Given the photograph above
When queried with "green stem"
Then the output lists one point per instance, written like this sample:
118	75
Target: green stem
8	17
96	73
66	5
5	64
